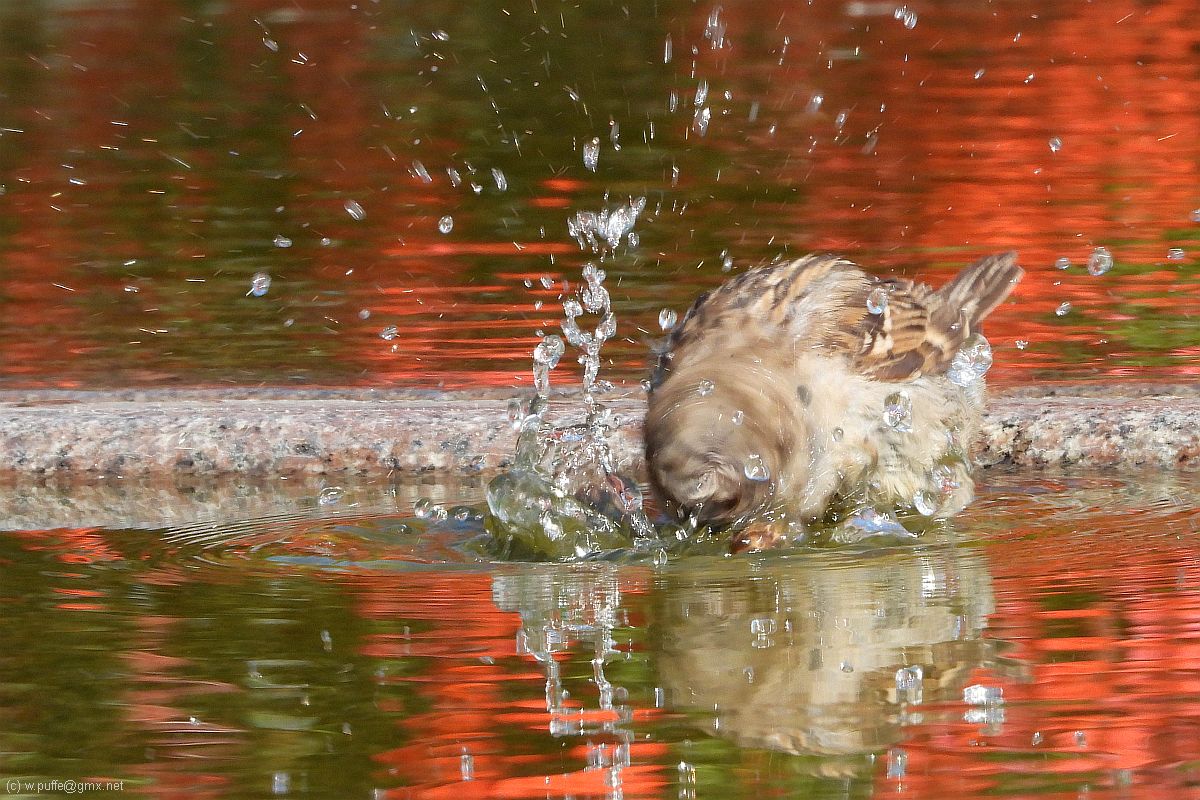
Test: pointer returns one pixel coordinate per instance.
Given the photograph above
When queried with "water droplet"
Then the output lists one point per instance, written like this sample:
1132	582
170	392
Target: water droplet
1029	78
281	783
701	119
897	411
667	319
910	683
971	362
726	263
516	413
546	281
925	503
907	16
738	417
979	73
897	763
756	469
1063	263
467	766
454	176
1036	739
389	333
667	50
591	154
282	241
419	172
1100	261
605	229
270	44
1176	254
331	495
846	666
260	284
714	31
1055	144
423	508
837	434
1196	215
877	300
545	358
1063	309
705	388
499	179
446	224
1021	344
355	211
1080	738
979	695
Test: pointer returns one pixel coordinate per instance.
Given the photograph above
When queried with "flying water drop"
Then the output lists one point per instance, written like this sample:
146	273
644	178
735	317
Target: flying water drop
971	362
260	284
877	300
755	468
897	411
1100	261
591	154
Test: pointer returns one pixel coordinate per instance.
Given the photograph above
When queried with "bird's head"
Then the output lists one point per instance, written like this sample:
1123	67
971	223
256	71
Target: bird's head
715	446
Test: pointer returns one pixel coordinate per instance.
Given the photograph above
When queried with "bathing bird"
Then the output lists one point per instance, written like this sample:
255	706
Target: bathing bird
806	391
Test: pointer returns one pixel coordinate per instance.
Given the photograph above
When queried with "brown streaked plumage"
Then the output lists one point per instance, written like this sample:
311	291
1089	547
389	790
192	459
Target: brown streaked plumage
770	392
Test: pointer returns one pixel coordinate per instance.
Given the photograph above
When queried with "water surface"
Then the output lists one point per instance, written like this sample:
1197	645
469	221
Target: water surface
155	157
1043	646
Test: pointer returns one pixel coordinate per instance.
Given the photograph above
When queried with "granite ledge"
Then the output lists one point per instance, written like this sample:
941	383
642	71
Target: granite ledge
146	433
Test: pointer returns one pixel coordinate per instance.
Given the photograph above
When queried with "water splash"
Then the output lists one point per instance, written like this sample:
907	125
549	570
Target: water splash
259	285
566	496
602	231
971	362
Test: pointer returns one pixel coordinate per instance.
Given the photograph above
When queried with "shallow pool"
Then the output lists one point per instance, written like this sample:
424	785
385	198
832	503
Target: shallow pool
248	640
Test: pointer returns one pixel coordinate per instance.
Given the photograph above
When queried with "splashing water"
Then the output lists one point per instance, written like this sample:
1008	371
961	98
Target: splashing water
971	362
897	411
602	231
259	285
566	497
877	300
591	154
1100	261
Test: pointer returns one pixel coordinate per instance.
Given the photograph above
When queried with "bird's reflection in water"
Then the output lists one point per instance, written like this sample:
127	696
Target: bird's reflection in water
824	654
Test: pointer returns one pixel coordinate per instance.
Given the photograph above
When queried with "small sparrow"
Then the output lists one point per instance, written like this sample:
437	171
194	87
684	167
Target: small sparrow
805	391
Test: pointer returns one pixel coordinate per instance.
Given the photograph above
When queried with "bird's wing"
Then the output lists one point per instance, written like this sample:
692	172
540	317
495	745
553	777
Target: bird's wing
820	302
914	334
794	296
920	329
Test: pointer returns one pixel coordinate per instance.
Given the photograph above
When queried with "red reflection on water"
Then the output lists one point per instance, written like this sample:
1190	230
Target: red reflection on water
470	714
1110	648
292	118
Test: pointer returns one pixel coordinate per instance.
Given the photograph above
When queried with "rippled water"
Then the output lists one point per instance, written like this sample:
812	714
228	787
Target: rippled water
1043	646
404	174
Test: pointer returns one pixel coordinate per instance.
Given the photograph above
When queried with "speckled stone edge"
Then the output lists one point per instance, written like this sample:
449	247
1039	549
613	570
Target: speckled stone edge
207	433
